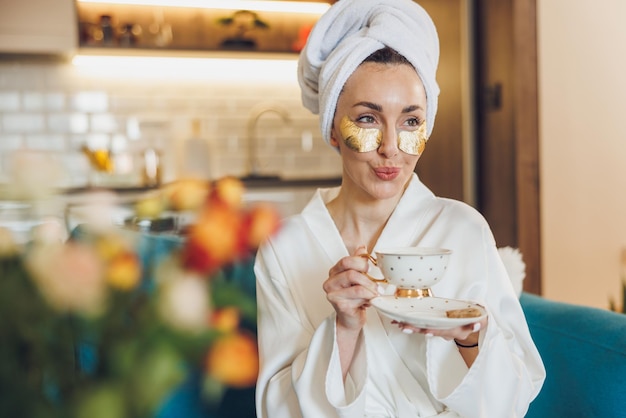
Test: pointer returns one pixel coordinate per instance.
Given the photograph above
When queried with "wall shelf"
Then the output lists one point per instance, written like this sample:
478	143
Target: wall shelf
142	29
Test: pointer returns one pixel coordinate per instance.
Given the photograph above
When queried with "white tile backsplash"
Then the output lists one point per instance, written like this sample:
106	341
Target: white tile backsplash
23	123
76	123
52	106
9	101
10	142
90	101
46	142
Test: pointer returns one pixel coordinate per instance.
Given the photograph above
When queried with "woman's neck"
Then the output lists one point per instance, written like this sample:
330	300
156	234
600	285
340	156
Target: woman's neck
360	221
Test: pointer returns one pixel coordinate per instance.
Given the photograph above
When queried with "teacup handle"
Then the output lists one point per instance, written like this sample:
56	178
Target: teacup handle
373	260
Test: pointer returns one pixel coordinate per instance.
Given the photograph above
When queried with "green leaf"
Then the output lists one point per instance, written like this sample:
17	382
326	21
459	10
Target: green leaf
156	374
102	401
212	390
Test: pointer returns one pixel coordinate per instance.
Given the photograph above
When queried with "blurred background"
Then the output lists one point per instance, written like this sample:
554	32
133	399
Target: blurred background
528	131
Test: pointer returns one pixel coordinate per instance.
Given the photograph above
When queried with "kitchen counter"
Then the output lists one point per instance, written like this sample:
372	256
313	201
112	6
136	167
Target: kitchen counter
288	195
250	182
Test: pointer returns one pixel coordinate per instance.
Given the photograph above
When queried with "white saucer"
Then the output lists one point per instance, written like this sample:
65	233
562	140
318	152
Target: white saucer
427	312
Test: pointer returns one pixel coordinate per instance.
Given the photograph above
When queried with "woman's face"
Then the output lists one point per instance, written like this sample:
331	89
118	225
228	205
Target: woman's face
392	100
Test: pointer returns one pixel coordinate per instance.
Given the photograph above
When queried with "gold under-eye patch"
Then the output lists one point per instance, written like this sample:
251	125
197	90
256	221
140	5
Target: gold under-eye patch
359	139
364	140
413	142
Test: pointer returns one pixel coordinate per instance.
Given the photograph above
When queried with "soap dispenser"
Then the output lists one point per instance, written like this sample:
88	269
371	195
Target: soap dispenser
196	153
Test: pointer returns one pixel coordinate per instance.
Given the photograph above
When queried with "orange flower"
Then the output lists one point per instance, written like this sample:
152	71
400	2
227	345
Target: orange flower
233	360
262	220
214	240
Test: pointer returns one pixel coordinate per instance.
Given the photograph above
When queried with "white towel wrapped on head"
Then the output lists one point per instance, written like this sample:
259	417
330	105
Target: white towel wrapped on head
349	32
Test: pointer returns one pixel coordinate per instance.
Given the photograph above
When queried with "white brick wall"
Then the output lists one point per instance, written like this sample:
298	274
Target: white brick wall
52	107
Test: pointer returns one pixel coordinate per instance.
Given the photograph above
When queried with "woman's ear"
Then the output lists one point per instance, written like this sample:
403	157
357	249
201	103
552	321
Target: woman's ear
333	138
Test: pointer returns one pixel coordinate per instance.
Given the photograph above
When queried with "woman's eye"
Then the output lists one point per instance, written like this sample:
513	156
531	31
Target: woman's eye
413	122
366	119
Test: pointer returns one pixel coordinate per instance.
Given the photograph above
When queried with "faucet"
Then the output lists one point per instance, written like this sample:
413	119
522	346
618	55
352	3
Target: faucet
256	112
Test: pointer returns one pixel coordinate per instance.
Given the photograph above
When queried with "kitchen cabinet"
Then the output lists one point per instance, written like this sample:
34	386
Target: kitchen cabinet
38	27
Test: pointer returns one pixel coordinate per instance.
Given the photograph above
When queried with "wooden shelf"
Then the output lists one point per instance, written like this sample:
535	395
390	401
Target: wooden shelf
184	53
189	30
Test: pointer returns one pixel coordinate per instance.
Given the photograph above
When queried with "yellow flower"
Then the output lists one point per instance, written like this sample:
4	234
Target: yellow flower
123	271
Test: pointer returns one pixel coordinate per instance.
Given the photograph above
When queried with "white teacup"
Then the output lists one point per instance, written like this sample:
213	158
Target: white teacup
412	270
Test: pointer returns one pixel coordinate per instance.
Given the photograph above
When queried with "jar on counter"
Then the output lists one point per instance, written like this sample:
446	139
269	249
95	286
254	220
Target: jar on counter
151	173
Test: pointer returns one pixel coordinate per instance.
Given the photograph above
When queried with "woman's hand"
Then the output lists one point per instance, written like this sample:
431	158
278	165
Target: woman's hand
349	290
466	335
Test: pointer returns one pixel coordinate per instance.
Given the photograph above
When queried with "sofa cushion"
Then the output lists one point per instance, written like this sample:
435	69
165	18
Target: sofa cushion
584	352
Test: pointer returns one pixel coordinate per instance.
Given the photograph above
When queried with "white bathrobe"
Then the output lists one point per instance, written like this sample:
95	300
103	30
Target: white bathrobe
393	374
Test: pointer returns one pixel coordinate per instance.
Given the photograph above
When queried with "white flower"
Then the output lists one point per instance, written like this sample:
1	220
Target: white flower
184	303
515	267
70	277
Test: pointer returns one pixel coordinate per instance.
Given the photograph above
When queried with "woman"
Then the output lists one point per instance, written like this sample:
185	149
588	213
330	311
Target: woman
369	70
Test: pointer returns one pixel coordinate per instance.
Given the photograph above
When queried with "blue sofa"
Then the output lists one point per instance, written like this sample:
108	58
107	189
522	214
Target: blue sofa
583	349
584	352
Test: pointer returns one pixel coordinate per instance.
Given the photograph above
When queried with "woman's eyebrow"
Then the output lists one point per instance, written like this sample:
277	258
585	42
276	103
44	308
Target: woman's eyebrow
411	108
379	108
371	105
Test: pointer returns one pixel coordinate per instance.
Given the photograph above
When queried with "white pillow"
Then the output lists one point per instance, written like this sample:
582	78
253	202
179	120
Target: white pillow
515	266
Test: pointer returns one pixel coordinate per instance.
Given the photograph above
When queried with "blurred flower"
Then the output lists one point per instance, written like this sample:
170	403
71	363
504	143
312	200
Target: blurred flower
69	277
261	221
228	190
226	319
102	324
123	271
150	207
186	194
233	360
184	303
214	240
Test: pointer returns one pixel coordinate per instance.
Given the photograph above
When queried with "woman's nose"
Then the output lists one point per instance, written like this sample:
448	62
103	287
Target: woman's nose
389	144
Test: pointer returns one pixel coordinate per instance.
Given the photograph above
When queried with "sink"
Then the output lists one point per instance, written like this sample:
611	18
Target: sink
259	177
260	180
275	181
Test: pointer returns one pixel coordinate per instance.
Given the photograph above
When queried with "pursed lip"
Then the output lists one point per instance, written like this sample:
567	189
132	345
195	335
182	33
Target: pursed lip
387	173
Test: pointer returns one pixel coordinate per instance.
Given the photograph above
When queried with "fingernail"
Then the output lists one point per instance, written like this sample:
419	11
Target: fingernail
476	327
407	330
429	334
